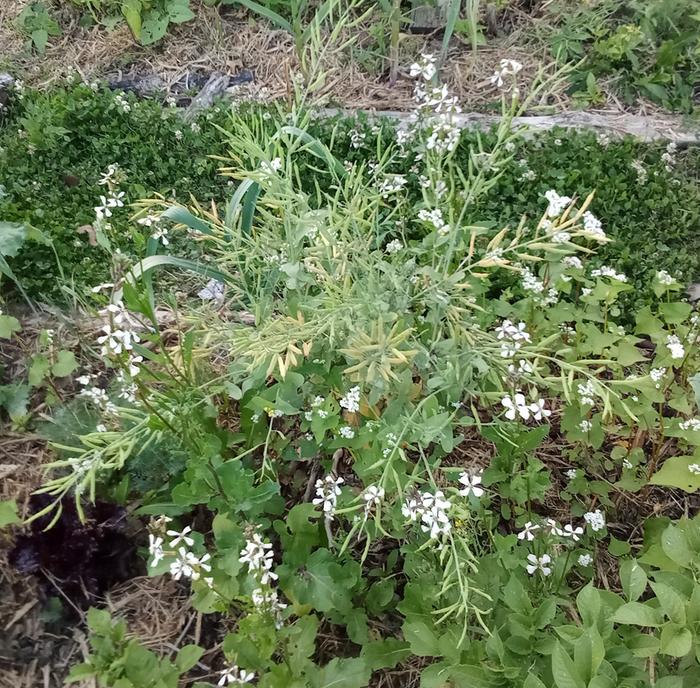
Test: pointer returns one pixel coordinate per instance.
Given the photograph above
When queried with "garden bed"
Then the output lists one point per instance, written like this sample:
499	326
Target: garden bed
327	398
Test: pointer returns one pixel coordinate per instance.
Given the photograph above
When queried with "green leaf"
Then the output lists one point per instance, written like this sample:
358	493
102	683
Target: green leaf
636	614
131	9
676	640
675	472
315	147
8	513
563	670
12	237
40	37
588	604
356	626
38	370
676	546
385	654
675	313
533	682
153	28
179	11
672	604
8	326
342	673
422	638
80	672
589	653
188	656
633	579
99	621
65	364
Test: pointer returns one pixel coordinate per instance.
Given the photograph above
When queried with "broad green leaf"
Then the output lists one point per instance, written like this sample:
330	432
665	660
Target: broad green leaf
38	370
422	638
589	652
356	626
65	364
588	604
637	614
8	326
676	546
131	9
8	513
633	579
182	216
564	672
676	640
40	37
12	236
342	673
676	312
188	656
675	472
672	604
179	11
385	654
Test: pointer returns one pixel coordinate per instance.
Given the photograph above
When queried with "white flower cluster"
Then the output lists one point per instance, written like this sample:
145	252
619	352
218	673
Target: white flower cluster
271	168
508	69
573	262
434	217
185	562
694	468
259	557
593	226
351	401
393	246
595	519
436	108
511	336
327	492
122	103
585	426
346	432
664	278
431	510
607	271
690	424
657	375
587	393
517	405
642	174
673	344
669	156
108	176
557	203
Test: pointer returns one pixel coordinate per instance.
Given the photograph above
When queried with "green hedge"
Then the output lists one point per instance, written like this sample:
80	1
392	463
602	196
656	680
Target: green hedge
49	179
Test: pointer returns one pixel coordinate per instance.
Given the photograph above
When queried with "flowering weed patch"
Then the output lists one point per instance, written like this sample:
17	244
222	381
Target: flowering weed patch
396	420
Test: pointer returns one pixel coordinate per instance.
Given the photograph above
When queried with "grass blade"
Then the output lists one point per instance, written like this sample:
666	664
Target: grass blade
279	21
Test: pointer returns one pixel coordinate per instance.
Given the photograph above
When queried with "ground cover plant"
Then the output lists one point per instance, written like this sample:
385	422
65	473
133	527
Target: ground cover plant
388	419
69	136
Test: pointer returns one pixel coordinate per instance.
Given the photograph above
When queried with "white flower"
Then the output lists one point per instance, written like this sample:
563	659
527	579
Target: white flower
524	367
571	473
585	426
149	220
101	427
586	392
508	68
607	271
528	531
425	68
538	410
592	225
531	283
595	519
118	312
373	496
357	138
557	203
434	518
561	237
155	548
272	167
116	341
394	246
434	217
115	200
538	564
664	278
103	210
552	527
235	675
181	536
412	509
107	176
642	174
100	287
327	491
657	374
690	424
694	468
585	560
258	556
675	347
516	406
509	349
572	262
351	401
178	135
392	184
347	432
161	233
573	533
471	485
